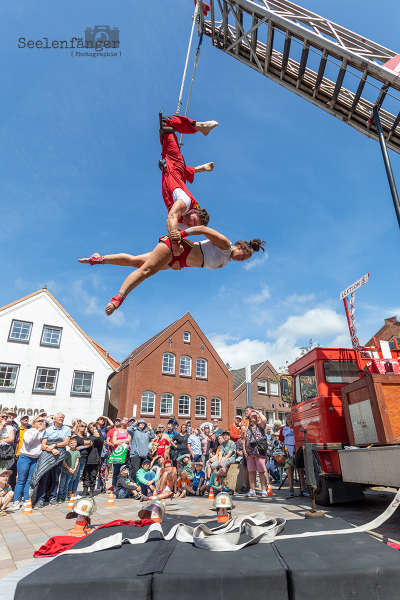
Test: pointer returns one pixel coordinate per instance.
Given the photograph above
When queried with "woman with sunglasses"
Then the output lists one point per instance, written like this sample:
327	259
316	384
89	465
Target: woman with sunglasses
28	457
93	460
83	445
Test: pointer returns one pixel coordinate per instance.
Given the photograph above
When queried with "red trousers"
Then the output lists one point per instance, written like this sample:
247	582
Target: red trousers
176	173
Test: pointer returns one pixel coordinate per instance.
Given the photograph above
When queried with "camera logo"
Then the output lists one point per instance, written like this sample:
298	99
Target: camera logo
101	36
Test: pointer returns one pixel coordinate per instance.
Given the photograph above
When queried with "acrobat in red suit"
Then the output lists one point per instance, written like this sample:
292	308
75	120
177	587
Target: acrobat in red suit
183	209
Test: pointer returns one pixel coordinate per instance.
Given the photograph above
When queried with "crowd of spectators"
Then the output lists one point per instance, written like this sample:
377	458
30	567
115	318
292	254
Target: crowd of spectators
44	460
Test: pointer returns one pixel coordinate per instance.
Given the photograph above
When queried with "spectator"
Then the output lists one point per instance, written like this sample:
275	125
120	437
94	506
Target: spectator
161	427
111	433
205	444
286	435
163	444
120	436
7	437
170	430
140	434
194	444
217	482
243	426
277	426
184	463
103	429
213	449
11	416
55	437
126	488
269	433
93	461
189	426
226	455
181	484
216	429
28	456
174	424
180	441
239	451
234	429
146	479
83	446
6	493
256	461
69	470
277	457
197	486
157	464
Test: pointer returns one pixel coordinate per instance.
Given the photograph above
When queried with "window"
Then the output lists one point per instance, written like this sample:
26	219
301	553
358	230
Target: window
274	388
148	401
8	376
262	386
282	417
337	371
200	406
167	402
215	407
270	417
20	331
201	367
186	337
168	363
186	365
184	406
392	344
51	336
46	380
306	385
82	383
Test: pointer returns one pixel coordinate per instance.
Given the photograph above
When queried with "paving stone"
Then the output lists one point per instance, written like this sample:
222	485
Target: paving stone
20	545
35	539
6	564
4	572
21	554
16	536
5	556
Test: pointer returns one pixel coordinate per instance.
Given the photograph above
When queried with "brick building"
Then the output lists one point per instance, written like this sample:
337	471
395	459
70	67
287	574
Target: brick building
175	372
387	333
265	391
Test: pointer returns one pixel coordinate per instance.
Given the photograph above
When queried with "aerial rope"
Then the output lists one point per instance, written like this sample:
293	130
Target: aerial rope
196	12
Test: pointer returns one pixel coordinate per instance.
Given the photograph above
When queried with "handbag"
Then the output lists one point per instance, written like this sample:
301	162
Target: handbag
261	444
118	455
6	452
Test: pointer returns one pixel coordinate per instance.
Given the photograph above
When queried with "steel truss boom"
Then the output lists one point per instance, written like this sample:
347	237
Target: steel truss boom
253	45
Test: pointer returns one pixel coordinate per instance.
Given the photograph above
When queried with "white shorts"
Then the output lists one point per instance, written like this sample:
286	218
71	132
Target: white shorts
179	194
167	489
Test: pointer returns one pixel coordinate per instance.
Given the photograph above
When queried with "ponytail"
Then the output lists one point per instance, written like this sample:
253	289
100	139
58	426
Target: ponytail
254	245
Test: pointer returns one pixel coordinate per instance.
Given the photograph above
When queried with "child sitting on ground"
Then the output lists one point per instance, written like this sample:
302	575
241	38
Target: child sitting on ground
6	493
126	488
217	482
146	478
181	484
184	463
197	487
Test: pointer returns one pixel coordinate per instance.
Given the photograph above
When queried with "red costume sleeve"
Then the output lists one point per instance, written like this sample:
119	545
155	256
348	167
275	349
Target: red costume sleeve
189	174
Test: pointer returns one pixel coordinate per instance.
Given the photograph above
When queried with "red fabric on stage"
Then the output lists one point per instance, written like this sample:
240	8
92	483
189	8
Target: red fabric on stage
56	545
176	173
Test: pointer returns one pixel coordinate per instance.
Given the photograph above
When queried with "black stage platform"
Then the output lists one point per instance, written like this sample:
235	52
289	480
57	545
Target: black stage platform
336	567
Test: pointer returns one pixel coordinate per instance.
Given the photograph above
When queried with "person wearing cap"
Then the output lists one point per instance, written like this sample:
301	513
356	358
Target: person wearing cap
216	429
146	478
197	486
126	488
28	456
141	434
234	429
7	437
6	493
194	444
226	455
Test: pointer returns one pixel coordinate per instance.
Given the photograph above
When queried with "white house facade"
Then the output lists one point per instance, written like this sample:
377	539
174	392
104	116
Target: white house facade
48	363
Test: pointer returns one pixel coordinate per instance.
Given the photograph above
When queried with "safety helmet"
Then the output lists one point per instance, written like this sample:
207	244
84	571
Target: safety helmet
85	507
223	500
155	509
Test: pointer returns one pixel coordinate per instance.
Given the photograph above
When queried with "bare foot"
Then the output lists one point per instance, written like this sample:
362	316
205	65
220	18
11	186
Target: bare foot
206	126
110	309
209	166
86	260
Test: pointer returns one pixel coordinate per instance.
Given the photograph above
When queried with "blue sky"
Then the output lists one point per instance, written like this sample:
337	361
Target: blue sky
79	145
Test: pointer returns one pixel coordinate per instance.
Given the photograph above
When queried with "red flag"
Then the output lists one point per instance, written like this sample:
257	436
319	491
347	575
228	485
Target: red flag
206	8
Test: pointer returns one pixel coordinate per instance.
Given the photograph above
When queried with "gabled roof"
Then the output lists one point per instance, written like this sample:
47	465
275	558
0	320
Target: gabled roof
239	375
102	351
146	344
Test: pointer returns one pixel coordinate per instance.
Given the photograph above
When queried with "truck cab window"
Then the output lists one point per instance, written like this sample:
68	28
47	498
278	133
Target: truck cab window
338	371
306	385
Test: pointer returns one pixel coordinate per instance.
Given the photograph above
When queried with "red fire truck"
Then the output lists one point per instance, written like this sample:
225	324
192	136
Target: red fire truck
346	419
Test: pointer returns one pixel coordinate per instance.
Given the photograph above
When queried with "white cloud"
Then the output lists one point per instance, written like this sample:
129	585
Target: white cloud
317	323
255	262
295	299
258	298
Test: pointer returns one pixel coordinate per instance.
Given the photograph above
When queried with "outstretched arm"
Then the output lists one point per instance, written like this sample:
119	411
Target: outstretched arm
218	239
174	215
203	168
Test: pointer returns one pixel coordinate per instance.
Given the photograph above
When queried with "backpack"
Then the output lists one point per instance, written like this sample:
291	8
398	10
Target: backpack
261	444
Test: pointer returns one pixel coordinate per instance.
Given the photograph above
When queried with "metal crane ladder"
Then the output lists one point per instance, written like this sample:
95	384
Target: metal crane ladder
247	30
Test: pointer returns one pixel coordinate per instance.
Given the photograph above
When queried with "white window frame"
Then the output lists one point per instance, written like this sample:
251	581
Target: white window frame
145	412
38	390
205	370
49	344
266	386
171	397
8	366
169	354
190	366
74	392
200	414
12	339
184	414
214	414
270	414
282	417
271	383
186	337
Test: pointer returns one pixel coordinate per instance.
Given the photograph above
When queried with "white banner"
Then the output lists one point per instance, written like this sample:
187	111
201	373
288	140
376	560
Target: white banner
354	287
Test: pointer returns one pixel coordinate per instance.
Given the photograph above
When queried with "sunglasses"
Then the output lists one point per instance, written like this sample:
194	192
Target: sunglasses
82	425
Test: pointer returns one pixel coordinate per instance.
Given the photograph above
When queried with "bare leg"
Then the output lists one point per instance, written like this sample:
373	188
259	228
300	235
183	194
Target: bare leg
252	479
206	126
245	477
5	501
263	480
122	259
158	259
301	477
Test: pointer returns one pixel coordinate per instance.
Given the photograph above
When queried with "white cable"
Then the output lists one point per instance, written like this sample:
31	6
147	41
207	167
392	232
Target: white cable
196	10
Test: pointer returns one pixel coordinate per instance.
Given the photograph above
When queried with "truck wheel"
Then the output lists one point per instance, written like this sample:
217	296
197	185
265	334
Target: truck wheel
321	493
